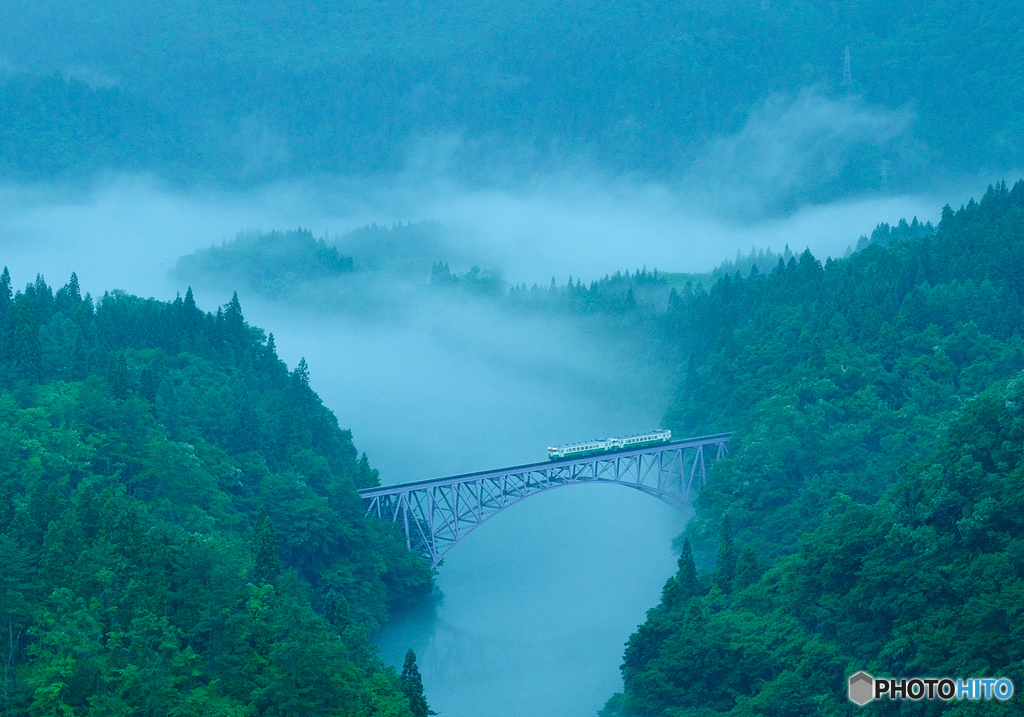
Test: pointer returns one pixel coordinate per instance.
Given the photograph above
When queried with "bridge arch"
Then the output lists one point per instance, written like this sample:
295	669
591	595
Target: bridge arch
435	515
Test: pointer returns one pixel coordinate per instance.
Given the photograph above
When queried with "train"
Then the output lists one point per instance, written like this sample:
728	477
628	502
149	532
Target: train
605	445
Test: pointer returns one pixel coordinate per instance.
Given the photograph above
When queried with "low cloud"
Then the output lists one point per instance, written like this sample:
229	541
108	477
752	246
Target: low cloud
432	386
793	150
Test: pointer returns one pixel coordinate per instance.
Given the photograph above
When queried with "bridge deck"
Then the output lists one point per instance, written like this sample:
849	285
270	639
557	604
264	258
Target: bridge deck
464	477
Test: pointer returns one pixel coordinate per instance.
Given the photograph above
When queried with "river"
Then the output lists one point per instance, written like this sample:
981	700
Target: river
537	604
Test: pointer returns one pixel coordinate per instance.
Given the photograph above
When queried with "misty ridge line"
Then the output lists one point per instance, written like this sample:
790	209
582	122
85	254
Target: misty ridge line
277	264
792	148
294	103
580	219
546	220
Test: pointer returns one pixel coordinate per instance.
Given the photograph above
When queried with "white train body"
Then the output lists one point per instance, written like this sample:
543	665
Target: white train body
603	445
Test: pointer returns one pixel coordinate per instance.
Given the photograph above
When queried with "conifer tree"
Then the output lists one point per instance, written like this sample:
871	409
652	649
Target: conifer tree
691	373
22	345
672	594
684	584
725	568
234	322
336	611
68	299
148	384
301	373
630	302
412	686
246	433
119	377
264	549
5	297
74	291
747	570
687	575
79	358
192	318
367	477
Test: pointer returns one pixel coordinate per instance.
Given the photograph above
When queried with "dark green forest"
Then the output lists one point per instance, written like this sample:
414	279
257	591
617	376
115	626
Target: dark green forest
242	91
269	263
869	515
53	126
183	534
178	519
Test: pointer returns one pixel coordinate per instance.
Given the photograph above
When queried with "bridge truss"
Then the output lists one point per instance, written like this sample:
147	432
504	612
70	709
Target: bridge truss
436	514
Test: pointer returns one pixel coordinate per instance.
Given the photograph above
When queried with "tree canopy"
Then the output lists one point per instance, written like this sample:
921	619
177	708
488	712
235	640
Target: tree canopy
239	91
868	514
178	518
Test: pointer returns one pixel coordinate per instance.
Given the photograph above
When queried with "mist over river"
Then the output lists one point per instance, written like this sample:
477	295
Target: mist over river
468	231
537	604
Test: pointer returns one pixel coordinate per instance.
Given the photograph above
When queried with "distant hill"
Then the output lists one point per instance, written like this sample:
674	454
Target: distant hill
272	263
264	89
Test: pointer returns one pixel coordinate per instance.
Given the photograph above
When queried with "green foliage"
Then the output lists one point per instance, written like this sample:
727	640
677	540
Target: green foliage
476	280
621	293
836	375
885	235
266	562
179	522
725	565
402	248
412	687
51	125
684	584
758	262
273	263
867	515
350	87
352	271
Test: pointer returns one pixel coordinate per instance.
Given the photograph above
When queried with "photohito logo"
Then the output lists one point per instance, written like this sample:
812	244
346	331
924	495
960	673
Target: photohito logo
862	688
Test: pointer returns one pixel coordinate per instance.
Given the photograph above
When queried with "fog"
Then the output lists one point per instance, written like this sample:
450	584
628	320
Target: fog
127	231
538	603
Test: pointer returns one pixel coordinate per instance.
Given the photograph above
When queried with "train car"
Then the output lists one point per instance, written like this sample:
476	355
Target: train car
604	445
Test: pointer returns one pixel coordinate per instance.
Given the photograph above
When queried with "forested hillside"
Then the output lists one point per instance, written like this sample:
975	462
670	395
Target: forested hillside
271	263
270	89
53	126
869	515
178	519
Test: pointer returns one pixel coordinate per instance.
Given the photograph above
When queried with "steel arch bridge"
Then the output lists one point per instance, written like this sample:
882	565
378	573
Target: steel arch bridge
436	514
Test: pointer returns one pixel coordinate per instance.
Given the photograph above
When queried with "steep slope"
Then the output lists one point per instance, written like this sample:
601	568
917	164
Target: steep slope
179	520
868	515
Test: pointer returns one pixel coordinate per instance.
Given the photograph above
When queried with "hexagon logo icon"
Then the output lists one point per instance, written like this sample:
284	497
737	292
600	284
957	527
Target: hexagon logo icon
861	688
